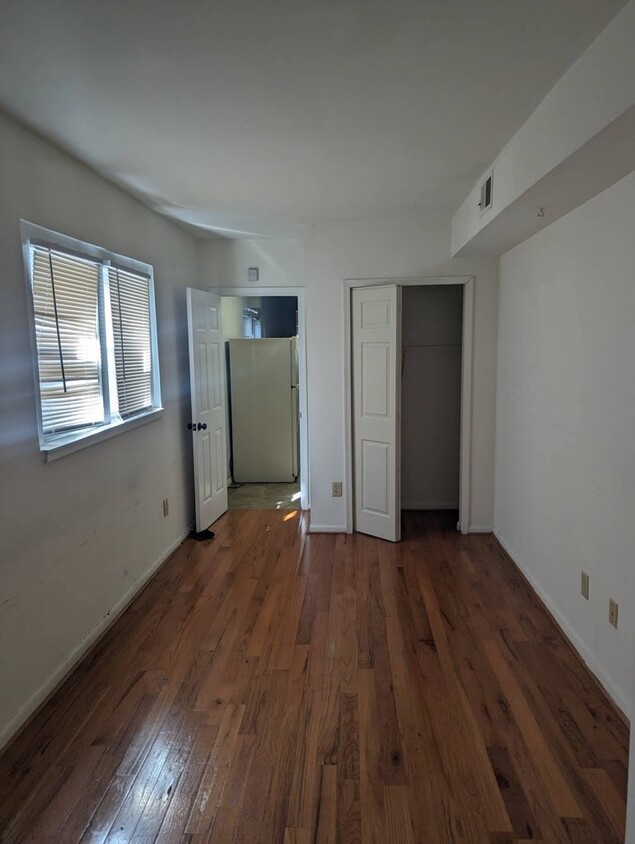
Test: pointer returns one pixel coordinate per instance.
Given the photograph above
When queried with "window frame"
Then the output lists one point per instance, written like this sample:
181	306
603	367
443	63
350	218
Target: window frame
58	445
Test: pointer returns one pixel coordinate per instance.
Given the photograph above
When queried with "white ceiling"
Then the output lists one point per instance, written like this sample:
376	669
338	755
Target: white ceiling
255	116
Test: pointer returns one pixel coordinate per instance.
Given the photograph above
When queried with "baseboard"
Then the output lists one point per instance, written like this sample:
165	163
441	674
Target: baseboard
46	690
480	529
327	528
588	658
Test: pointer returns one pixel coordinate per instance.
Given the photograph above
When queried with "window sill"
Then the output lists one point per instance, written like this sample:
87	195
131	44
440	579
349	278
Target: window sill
68	443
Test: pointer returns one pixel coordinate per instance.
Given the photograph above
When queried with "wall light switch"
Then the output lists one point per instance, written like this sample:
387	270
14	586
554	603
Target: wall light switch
254	275
336	489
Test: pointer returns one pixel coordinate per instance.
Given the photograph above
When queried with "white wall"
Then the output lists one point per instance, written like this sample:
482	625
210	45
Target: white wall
232	326
565	423
232	317
337	251
280	261
596	90
77	534
432	325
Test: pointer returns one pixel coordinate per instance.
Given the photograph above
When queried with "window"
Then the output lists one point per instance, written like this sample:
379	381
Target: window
94	337
252	323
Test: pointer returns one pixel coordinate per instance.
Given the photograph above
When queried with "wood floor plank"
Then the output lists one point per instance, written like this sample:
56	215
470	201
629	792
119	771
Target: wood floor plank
296	836
349	821
280	687
398	820
370	764
188	786
327	808
558	789
213	781
609	797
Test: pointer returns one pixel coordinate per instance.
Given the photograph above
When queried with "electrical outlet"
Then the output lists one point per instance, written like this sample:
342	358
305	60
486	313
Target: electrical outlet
336	489
613	608
584	585
166	507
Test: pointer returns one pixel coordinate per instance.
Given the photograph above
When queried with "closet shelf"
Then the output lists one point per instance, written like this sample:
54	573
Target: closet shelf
431	346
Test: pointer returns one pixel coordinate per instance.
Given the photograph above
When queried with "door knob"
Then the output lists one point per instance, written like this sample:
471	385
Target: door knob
202	426
190	426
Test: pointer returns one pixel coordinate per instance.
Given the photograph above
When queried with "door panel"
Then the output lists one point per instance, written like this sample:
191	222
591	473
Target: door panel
376	335
375	468
208	393
376	379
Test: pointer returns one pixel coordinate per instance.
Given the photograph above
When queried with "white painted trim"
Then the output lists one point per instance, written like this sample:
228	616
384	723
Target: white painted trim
349	446
589	659
327	529
299	292
465	459
76	655
414	281
481	529
79	440
466	386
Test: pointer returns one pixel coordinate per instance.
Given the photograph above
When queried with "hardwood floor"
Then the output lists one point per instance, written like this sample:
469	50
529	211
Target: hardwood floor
271	686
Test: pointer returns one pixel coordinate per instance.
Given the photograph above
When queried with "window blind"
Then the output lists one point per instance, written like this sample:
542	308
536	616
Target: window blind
65	299
130	305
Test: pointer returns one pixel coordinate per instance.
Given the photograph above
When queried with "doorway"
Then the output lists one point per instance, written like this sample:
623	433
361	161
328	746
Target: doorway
263	331
261	338
377	370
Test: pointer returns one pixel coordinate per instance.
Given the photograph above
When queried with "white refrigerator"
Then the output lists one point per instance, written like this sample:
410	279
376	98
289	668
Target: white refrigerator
264	410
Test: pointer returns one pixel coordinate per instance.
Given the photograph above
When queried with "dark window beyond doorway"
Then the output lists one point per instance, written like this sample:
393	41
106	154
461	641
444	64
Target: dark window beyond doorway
280	316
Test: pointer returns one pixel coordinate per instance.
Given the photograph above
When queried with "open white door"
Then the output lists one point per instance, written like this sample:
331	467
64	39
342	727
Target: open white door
376	334
209	397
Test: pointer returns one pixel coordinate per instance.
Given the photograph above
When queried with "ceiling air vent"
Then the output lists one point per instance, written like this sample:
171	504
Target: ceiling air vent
487	193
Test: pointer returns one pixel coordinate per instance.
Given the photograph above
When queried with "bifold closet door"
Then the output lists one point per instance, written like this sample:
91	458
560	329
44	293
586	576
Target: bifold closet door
376	336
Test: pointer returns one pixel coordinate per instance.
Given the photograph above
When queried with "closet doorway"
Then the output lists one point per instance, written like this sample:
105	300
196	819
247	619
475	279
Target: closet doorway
409	400
431	347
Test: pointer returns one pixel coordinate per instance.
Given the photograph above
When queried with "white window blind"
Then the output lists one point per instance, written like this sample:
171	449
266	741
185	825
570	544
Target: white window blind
95	358
65	301
130	306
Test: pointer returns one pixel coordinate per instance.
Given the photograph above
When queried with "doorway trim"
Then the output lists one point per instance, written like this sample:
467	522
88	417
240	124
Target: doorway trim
298	292
467	353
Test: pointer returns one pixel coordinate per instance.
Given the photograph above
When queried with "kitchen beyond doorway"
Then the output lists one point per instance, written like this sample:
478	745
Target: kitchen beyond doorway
261	338
234	292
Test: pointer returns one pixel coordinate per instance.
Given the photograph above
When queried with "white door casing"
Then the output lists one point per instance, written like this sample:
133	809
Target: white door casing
209	398
376	341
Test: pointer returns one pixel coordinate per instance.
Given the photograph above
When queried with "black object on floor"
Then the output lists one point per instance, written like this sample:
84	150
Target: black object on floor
202	535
